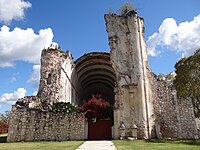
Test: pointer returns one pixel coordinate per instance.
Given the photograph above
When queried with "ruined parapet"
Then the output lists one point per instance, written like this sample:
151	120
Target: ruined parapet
56	68
129	60
30	102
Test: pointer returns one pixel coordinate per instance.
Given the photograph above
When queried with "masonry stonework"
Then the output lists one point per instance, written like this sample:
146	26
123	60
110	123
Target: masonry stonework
36	125
173	117
140	99
128	58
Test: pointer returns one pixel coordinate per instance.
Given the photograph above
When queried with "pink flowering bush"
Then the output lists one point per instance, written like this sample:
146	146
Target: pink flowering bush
97	108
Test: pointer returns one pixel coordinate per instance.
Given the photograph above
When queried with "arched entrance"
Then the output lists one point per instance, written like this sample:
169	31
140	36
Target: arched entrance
96	77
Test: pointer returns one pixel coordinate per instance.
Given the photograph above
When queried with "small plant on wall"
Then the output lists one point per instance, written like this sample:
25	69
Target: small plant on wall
63	107
97	108
126	8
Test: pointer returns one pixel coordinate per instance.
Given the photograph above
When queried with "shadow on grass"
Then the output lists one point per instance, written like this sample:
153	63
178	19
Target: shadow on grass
187	142
3	139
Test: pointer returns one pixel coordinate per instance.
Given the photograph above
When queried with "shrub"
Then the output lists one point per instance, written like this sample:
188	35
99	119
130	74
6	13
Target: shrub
3	127
97	108
126	8
63	107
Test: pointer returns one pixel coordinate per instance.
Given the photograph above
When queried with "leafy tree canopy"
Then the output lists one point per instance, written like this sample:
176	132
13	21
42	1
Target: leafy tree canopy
187	80
4	117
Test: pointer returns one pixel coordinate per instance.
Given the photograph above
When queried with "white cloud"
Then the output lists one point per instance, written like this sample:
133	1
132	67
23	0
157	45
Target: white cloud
183	37
23	45
11	98
35	93
35	76
13	10
13	79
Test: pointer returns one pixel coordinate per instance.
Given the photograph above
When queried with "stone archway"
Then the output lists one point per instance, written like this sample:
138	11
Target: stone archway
96	76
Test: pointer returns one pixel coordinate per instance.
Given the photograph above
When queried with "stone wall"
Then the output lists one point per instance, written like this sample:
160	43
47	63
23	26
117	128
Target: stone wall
188	126
172	117
166	110
35	125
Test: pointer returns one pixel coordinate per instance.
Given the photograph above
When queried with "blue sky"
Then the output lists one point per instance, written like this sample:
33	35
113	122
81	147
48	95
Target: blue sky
172	29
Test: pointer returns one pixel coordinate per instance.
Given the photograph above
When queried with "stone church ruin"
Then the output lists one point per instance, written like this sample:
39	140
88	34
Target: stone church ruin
144	106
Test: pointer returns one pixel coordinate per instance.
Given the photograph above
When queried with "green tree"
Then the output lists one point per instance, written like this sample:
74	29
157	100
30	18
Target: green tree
4	117
187	80
126	8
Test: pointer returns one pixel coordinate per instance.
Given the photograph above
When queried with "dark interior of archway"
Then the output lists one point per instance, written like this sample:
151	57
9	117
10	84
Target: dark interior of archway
96	76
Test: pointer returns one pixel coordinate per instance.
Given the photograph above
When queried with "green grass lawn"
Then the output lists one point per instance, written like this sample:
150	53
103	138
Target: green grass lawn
44	145
120	145
65	145
157	145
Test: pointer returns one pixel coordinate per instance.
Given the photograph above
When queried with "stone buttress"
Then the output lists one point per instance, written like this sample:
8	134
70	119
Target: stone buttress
129	60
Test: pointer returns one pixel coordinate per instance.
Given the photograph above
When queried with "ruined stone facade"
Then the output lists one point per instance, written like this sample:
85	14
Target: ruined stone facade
123	77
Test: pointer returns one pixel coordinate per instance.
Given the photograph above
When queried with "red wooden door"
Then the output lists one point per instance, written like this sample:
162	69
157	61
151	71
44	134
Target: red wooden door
100	130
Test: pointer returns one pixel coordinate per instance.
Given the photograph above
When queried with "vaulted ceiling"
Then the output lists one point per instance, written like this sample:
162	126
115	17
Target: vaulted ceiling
96	75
